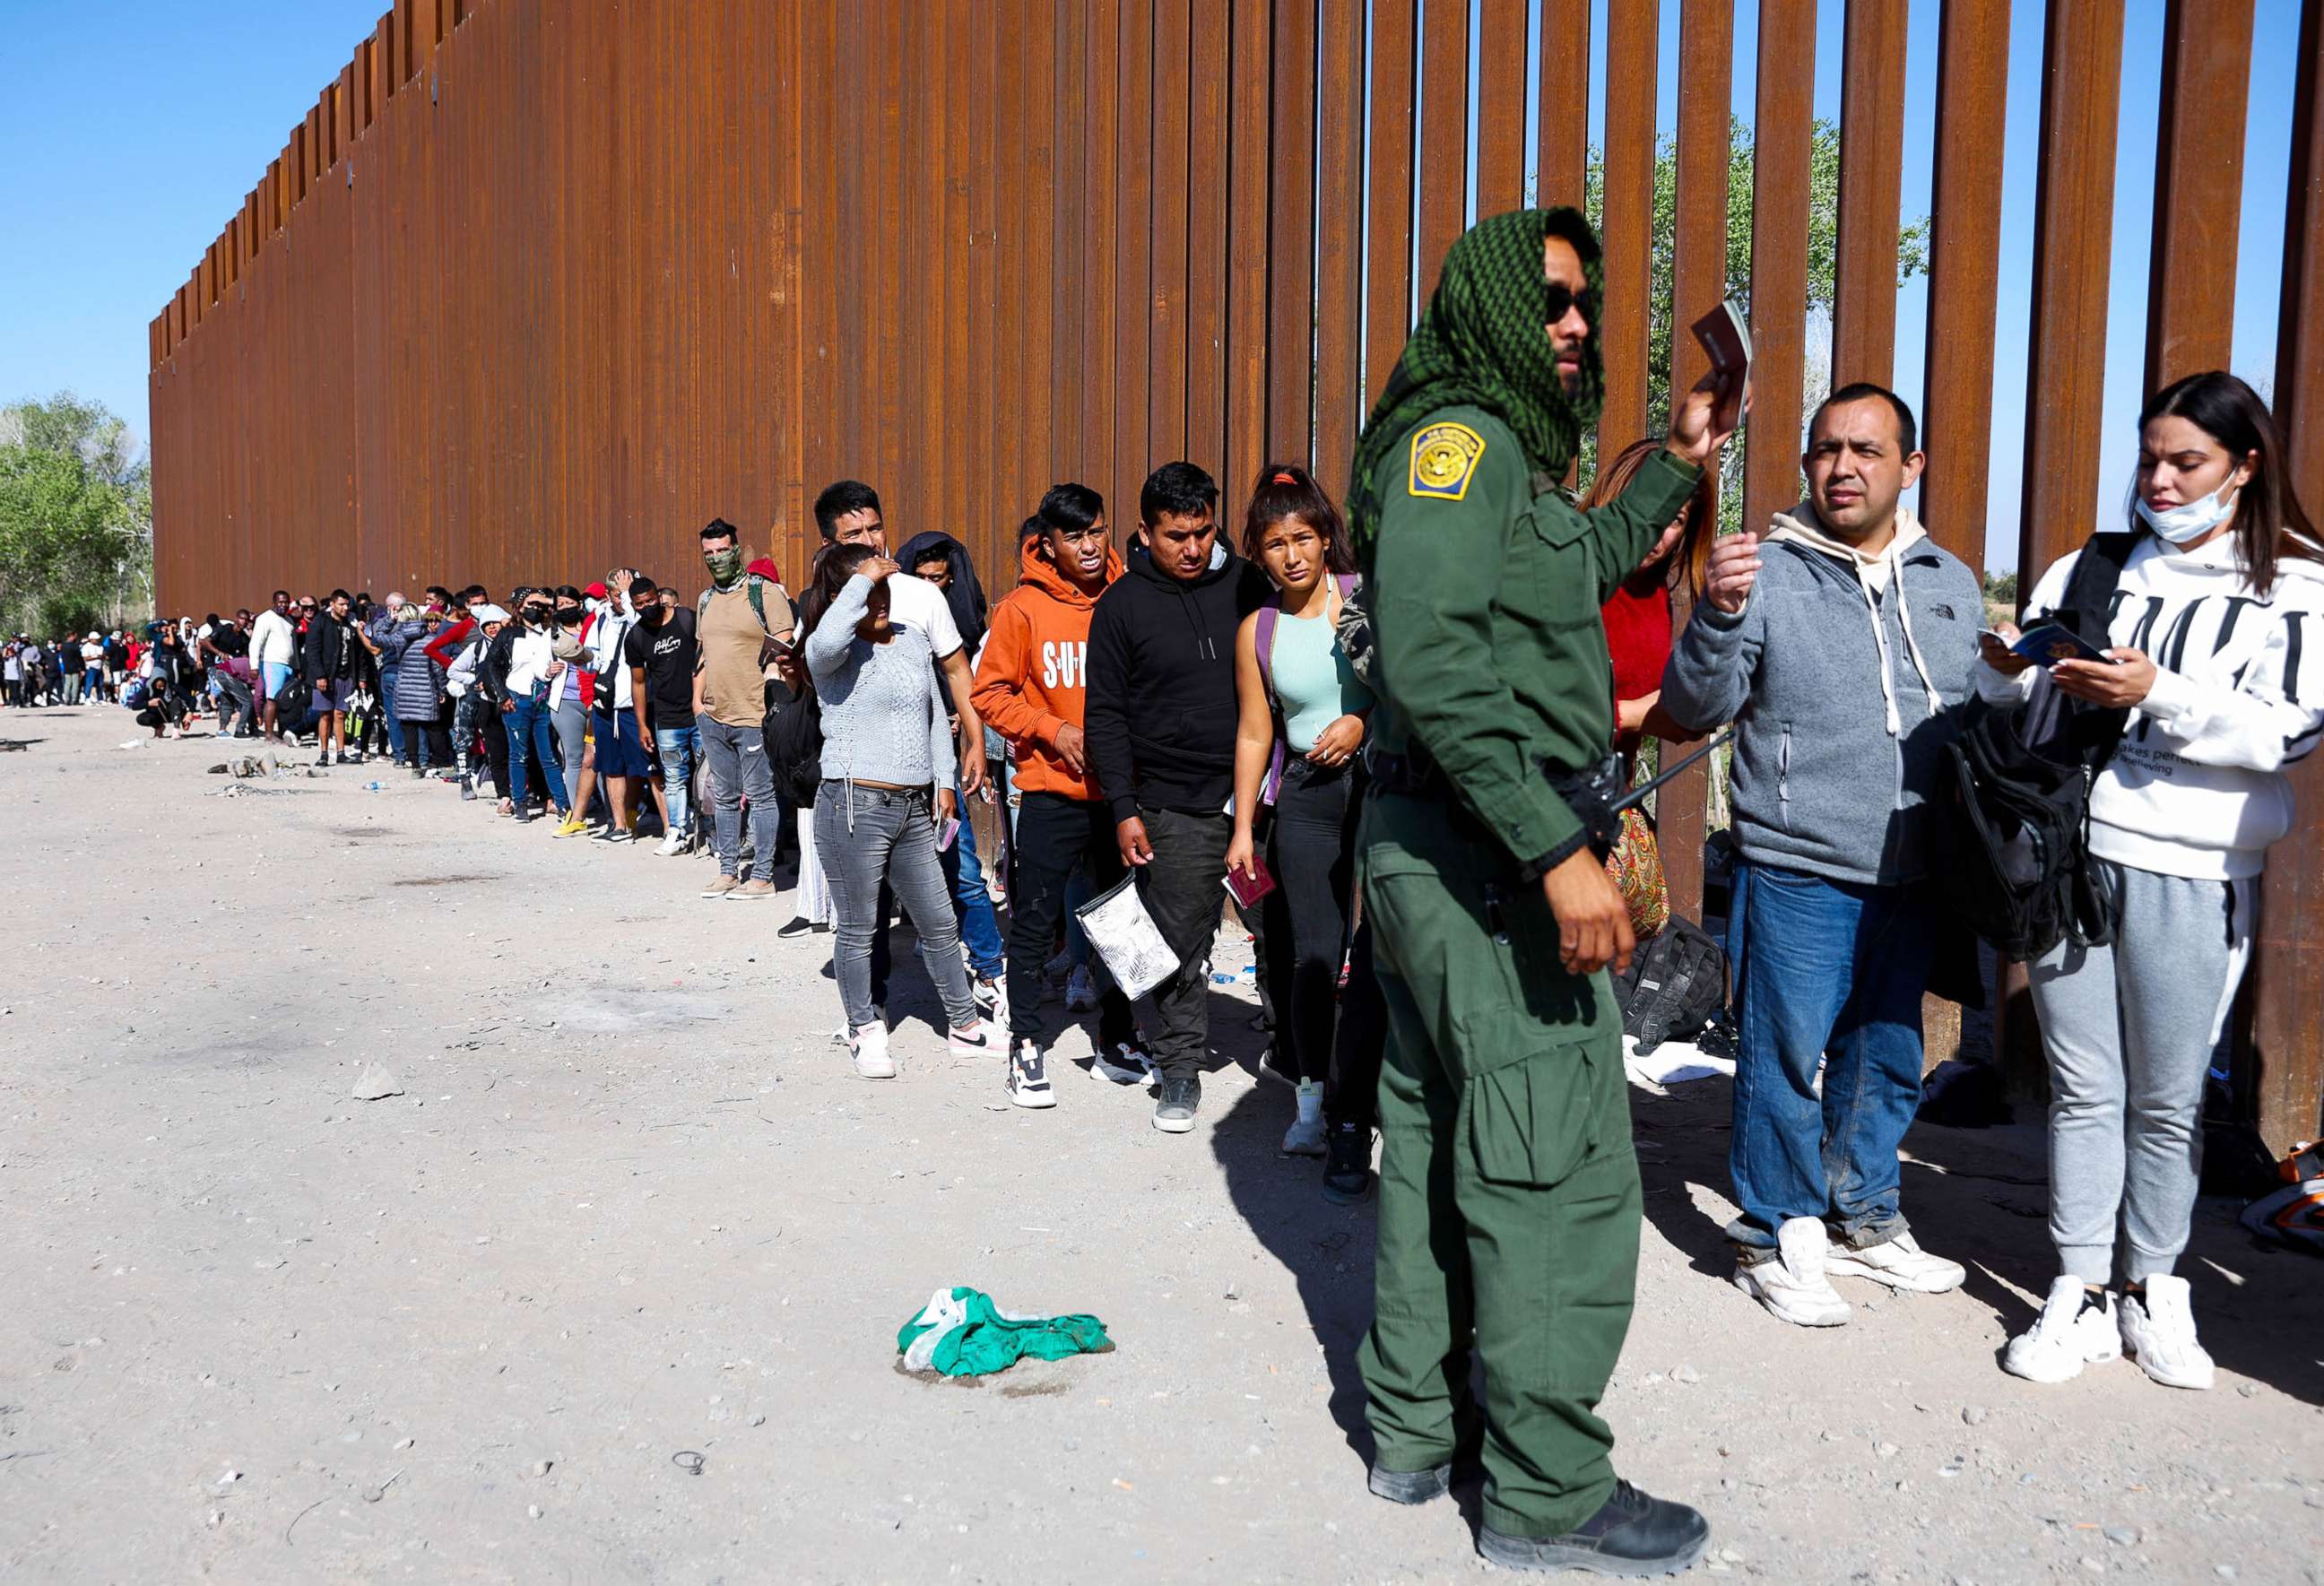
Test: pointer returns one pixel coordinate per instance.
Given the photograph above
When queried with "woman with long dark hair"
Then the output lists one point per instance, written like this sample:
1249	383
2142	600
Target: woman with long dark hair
886	800
1297	773
1638	614
2220	592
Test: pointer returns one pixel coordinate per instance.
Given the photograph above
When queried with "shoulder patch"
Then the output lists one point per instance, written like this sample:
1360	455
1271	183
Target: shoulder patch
1443	460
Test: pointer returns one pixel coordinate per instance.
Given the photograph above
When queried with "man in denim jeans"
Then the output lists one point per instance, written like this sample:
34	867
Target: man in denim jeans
1837	642
742	611
661	651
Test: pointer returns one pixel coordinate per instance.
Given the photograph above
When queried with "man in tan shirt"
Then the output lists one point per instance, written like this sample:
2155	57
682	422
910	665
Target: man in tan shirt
736	618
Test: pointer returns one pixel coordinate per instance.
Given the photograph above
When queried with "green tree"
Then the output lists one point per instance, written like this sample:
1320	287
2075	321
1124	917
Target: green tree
76	516
1824	234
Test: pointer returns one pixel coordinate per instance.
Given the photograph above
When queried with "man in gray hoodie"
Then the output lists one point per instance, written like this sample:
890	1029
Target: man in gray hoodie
1836	642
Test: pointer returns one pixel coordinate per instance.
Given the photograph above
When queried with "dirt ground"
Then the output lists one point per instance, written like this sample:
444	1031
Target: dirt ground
633	1205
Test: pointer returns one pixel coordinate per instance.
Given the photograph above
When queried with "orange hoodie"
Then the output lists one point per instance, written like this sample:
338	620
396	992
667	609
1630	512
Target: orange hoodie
1032	680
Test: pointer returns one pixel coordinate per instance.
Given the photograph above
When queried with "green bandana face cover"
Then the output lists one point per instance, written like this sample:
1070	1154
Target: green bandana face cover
725	566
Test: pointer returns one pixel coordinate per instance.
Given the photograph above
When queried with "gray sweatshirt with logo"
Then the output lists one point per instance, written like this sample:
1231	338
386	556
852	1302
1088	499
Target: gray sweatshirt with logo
1838	677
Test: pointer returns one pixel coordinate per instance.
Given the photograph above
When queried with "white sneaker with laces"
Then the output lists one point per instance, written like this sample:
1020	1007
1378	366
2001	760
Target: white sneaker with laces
869	1044
2075	1329
1028	1076
2158	1331
991	1001
1081	991
981	1040
1791	1283
1899	1263
1305	1138
672	845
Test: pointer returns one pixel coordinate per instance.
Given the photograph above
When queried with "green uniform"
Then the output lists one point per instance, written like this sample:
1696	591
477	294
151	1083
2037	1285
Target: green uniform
1509	1203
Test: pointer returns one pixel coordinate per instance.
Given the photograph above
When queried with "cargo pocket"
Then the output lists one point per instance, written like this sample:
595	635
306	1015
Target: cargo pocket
1532	1121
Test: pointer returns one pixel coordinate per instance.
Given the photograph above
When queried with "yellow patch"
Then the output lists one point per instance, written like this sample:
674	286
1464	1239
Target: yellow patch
1443	460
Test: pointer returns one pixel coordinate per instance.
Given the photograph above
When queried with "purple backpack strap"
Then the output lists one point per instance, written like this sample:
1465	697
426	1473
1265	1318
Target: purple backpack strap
1264	645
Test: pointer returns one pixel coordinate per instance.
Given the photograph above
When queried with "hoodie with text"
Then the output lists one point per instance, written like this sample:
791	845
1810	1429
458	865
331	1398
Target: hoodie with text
2198	788
1033	678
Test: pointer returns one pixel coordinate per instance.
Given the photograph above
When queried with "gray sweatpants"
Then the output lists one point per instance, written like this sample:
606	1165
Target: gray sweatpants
2130	1028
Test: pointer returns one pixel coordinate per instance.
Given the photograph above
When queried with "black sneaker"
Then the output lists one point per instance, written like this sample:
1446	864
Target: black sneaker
1174	1104
798	927
1347	1164
1632	1535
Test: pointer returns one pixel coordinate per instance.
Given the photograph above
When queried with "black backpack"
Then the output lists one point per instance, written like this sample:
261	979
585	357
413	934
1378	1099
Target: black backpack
1676	985
792	733
2014	806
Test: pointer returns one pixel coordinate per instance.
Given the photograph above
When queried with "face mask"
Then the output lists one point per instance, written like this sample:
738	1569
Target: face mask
723	565
569	615
2192	520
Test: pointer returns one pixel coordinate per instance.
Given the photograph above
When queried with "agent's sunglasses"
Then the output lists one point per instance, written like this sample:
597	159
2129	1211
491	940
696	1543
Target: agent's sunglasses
1563	299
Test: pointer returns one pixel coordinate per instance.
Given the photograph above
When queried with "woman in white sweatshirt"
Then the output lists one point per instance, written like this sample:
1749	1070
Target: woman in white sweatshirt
2214	629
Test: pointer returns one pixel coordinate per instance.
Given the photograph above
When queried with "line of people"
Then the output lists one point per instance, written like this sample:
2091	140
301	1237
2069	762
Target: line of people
1392	733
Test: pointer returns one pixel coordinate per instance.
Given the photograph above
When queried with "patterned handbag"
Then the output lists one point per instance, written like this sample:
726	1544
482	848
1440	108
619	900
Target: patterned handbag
1636	866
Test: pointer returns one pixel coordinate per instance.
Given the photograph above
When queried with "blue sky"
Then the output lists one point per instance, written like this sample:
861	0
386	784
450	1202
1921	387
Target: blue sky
130	130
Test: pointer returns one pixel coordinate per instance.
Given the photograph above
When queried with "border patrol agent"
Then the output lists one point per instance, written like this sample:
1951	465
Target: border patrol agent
1509	1201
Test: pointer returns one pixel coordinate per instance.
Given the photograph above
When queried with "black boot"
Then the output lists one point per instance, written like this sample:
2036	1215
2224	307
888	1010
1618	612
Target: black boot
1632	1535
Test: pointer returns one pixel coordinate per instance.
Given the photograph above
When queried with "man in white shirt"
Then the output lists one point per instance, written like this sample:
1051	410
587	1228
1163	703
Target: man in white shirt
273	647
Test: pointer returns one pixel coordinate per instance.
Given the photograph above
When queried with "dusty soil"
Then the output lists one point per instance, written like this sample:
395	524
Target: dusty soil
632	1205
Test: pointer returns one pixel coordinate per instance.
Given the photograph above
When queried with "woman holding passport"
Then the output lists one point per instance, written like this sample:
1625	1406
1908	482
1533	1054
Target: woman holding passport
2220	592
1302	710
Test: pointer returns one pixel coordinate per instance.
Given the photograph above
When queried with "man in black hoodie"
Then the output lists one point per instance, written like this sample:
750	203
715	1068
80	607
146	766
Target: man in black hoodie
1161	729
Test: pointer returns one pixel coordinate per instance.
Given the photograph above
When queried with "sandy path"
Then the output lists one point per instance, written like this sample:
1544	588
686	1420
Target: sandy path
632	1203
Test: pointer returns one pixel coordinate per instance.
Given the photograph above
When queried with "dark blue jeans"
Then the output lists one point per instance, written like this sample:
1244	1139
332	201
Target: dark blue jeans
533	750
1829	971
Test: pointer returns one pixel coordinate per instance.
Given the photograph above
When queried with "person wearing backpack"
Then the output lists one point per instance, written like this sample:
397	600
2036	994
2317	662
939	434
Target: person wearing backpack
2220	592
1303	713
741	613
1031	687
1837	642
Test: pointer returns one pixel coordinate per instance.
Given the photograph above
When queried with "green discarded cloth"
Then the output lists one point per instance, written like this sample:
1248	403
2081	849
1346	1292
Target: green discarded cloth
961	1333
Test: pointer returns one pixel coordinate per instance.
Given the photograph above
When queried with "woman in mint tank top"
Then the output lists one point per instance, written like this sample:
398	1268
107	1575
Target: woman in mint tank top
1298	793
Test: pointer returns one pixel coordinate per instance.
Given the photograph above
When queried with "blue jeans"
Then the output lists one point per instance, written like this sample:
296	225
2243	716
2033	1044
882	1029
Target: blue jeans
387	676
531	747
679	747
980	927
1830	971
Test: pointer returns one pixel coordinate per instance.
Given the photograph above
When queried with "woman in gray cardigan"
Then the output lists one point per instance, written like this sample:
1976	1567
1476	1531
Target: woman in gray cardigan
886	803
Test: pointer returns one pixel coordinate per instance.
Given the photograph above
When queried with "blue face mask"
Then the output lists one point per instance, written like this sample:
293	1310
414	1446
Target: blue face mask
2192	520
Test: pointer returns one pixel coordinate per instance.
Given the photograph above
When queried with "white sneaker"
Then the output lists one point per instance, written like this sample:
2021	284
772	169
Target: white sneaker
1899	1263
1791	1283
981	1040
2158	1331
2076	1329
869	1044
1124	1066
671	846
991	1000
1081	991
1305	1138
1028	1076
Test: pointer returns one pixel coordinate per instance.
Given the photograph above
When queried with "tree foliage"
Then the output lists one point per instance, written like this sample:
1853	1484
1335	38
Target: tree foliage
76	516
1664	321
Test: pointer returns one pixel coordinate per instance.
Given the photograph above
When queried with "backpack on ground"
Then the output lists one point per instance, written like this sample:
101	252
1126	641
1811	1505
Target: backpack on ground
2014	803
1676	985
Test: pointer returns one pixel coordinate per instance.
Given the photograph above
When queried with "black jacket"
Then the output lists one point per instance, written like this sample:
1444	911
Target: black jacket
1161	714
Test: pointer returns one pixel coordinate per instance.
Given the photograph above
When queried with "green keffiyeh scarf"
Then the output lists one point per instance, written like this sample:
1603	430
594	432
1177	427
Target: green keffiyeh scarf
1482	342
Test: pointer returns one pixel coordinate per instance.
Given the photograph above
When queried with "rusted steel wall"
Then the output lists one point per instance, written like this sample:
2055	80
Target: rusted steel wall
539	286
